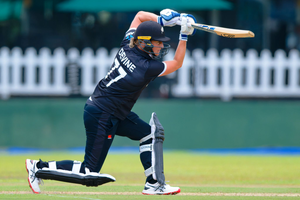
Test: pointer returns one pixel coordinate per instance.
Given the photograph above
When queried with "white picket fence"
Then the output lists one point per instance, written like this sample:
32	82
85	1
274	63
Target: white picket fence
230	74
234	75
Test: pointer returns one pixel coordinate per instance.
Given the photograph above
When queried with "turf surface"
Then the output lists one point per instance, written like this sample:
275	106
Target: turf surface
199	176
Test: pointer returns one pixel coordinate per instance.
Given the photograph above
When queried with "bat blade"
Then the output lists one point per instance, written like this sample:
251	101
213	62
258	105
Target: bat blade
224	32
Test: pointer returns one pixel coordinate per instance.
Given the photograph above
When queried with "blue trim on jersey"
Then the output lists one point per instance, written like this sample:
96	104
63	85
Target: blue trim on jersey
129	37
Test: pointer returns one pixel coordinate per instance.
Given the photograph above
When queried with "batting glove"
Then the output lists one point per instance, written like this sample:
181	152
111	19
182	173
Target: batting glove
186	29
168	17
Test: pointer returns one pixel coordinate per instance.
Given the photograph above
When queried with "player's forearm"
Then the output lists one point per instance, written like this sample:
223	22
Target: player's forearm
179	56
143	16
180	53
176	63
146	16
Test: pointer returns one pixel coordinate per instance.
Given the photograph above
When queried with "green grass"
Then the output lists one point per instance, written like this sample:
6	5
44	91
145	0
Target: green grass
194	173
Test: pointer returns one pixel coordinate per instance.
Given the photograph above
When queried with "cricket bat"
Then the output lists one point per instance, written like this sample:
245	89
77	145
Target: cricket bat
224	32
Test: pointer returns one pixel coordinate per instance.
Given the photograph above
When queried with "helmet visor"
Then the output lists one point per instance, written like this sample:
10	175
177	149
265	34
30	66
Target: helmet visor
147	46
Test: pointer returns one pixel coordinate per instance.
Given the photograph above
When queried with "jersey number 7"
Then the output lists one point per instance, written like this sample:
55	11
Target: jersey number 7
122	72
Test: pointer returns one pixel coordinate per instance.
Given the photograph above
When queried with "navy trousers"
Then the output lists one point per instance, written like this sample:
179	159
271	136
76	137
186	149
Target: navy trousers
101	128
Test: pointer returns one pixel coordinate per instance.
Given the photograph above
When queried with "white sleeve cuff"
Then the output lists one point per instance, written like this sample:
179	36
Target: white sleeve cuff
165	68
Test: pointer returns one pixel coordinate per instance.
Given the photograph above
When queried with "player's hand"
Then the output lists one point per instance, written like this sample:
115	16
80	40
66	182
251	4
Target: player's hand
185	21
168	17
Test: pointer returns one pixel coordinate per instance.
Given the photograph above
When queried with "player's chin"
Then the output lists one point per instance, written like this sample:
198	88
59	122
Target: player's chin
156	54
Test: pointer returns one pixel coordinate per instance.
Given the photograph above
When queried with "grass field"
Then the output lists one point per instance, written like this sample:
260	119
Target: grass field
205	177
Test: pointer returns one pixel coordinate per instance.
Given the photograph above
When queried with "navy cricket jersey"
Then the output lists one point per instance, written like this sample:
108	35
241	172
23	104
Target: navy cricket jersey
130	73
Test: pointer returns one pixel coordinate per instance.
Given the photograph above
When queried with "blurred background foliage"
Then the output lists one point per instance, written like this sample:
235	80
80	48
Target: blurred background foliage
96	23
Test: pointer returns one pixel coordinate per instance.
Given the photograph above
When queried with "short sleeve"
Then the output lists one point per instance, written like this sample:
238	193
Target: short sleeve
155	69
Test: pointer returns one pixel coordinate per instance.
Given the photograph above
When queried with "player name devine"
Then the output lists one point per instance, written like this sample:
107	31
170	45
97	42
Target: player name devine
125	61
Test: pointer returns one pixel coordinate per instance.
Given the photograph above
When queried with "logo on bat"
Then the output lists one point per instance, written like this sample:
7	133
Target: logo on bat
228	35
208	28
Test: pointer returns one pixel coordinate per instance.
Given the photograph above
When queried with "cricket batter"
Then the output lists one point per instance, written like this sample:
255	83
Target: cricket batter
108	111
